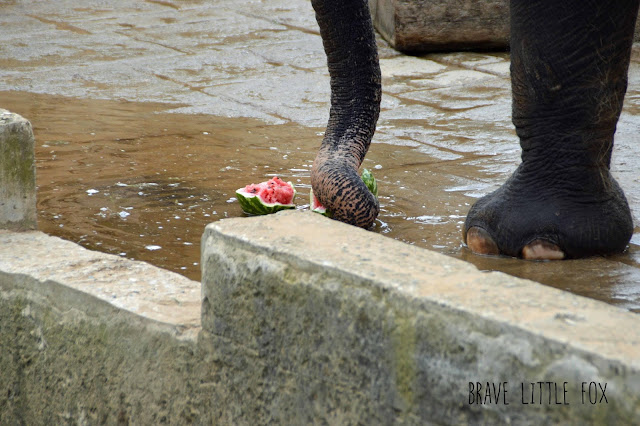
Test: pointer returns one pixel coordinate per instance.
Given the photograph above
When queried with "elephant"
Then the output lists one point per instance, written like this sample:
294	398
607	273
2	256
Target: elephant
569	65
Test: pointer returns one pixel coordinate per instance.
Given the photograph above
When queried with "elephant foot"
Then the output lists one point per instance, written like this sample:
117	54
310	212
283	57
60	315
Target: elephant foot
480	242
551	221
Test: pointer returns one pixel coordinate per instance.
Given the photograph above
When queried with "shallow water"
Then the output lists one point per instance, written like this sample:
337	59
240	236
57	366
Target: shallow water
133	180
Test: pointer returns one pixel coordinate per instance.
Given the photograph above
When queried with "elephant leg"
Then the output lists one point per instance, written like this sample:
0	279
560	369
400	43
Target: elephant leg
569	63
350	45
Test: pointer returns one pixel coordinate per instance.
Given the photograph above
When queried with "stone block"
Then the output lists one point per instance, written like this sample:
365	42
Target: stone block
17	173
326	323
90	338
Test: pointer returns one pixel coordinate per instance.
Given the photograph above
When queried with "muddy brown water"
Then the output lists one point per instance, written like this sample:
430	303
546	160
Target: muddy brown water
133	180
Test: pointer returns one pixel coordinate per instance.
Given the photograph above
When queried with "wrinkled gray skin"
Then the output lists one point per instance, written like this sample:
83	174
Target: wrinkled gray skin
569	63
347	34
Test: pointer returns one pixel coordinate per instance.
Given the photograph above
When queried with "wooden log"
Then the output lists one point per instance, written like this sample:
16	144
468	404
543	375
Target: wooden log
418	26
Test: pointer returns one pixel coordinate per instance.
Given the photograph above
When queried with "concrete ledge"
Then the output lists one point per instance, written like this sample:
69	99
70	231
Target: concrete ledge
90	338
17	173
135	287
339	325
304	320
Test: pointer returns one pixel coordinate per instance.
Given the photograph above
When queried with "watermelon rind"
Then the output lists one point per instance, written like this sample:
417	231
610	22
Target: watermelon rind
370	181
252	204
322	210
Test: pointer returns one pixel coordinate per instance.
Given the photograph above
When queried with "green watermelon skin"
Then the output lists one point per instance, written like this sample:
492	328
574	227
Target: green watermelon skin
370	181
252	204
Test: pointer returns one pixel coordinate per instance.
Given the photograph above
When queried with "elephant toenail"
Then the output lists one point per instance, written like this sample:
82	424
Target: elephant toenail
480	242
542	250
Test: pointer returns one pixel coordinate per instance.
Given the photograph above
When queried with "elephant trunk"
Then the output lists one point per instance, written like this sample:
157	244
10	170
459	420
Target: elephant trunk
350	45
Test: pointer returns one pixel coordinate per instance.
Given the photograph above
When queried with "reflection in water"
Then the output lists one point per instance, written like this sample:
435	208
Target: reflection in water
127	179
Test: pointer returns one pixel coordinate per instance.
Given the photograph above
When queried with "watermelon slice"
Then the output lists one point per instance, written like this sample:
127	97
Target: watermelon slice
266	197
316	206
370	181
367	178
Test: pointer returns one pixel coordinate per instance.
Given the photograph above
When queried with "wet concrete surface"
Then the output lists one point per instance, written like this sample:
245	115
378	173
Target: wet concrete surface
148	115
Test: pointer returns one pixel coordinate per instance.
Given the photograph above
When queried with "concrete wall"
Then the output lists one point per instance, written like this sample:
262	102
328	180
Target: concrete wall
300	319
300	324
90	338
340	325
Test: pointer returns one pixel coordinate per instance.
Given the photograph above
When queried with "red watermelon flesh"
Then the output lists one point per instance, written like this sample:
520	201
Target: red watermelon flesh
315	204
272	191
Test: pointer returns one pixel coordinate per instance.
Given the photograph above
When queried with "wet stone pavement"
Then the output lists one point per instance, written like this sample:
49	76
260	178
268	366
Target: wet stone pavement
149	114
